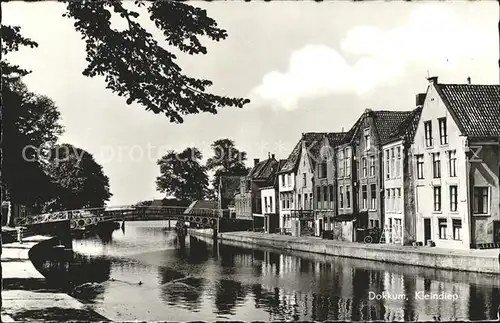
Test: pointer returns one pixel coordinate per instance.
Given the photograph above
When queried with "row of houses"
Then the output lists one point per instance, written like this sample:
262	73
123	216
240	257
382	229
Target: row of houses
428	174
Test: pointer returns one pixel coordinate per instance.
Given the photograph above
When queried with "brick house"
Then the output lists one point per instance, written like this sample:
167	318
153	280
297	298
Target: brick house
456	156
359	173
399	204
325	181
248	199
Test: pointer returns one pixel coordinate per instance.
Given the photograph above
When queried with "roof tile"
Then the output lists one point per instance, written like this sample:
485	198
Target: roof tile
476	107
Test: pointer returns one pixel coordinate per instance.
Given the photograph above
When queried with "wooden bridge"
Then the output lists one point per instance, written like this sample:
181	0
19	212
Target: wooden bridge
84	218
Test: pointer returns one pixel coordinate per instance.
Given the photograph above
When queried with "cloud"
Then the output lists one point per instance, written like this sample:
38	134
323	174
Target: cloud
434	35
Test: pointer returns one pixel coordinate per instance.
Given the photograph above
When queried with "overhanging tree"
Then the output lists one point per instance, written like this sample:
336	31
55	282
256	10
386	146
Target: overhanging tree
134	64
182	175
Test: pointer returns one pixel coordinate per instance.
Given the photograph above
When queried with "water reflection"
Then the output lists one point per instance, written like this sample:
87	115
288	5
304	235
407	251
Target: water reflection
191	278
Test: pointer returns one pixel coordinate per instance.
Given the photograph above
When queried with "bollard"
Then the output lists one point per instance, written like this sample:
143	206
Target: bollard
20	235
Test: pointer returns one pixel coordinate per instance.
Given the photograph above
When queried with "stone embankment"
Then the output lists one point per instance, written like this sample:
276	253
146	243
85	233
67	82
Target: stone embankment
482	261
26	296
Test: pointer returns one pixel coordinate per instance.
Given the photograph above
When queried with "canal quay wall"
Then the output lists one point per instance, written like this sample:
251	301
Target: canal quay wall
27	296
474	260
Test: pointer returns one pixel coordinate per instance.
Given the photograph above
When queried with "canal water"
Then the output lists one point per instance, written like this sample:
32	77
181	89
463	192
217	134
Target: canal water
145	272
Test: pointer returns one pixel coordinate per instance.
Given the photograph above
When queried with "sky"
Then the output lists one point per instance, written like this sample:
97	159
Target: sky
306	66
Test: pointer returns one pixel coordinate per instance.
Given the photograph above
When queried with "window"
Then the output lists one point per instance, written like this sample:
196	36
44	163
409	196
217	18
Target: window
443	135
371	223
271	204
299	200
363	162
388	199
453	198
387	164
457	229
373	203
367	139
323	169
442	228
393	161
398	201
332	197
318	196
341	164
420	166
347	160
283	180
265	203
325	197
452	163
375	223
348	196
289	180
372	165
364	194
436	165
283	205
393	201
341	196
428	133
437	198
398	162
306	204
481	200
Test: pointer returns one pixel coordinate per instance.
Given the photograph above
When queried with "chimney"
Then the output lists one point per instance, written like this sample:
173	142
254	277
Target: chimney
420	98
273	156
468	80
268	155
433	80
255	161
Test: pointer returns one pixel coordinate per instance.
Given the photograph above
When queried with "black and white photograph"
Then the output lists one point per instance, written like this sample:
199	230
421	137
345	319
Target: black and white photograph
221	161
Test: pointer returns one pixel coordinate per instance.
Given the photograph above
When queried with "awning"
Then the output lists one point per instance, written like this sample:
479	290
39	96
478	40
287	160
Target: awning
259	215
359	216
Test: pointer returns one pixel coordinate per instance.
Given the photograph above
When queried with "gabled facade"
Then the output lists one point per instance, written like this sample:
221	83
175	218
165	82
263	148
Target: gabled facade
399	204
248	200
359	172
456	158
324	181
292	184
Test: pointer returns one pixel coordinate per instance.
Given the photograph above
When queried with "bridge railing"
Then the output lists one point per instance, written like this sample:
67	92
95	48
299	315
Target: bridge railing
86	216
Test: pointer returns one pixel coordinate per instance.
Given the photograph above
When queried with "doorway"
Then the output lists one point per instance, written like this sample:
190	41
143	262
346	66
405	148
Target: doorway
320	227
427	230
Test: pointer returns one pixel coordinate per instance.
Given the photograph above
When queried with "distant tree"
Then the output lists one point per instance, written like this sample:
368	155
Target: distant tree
30	129
226	160
182	175
133	63
211	194
82	181
144	203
